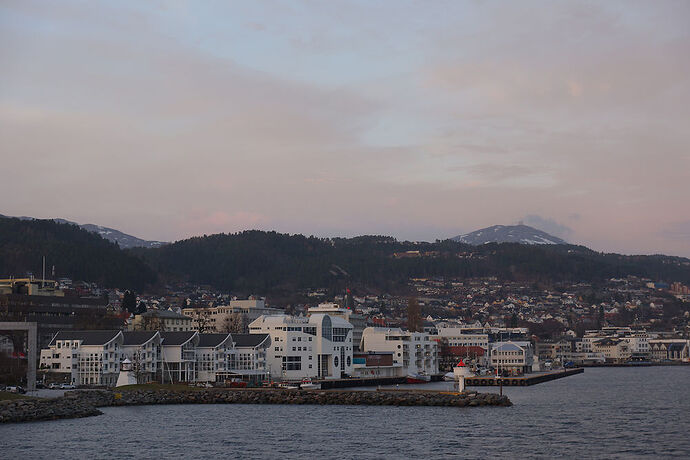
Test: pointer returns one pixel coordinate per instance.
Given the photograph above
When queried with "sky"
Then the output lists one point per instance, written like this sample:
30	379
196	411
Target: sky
420	120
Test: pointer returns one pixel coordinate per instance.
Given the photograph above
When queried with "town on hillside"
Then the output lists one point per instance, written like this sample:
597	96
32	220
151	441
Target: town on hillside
195	334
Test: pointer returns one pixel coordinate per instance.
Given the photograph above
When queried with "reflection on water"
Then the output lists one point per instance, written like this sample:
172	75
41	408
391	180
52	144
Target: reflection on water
612	412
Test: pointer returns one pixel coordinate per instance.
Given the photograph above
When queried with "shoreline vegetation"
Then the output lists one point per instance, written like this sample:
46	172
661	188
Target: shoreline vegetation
85	403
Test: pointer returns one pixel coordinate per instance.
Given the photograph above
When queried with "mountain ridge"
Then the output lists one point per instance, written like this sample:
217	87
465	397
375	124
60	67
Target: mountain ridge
523	234
124	240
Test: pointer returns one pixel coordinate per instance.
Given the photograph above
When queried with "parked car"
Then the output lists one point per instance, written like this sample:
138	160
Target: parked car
67	386
16	389
54	386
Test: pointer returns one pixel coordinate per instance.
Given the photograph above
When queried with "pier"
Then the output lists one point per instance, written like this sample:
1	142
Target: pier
522	381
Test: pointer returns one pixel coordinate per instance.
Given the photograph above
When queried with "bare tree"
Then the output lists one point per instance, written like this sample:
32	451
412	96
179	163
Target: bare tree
236	323
414	315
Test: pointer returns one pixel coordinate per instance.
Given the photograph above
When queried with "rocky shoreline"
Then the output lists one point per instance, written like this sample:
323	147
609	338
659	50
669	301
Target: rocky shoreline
84	403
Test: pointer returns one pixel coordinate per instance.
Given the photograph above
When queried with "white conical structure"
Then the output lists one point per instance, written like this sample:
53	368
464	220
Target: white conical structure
127	375
461	371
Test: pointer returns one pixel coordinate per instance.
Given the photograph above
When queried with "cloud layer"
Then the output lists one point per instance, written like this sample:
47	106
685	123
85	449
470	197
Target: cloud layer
416	120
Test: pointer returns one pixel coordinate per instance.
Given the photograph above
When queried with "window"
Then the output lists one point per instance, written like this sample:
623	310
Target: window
292	363
349	361
335	361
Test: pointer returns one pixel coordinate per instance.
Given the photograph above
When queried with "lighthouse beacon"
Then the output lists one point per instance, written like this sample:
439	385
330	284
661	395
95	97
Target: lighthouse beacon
460	372
127	375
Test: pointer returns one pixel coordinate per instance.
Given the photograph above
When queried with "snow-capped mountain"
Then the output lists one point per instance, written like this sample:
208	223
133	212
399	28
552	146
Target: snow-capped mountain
122	239
508	234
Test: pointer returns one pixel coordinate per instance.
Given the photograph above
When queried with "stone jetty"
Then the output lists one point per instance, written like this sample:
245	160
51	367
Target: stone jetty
34	409
84	403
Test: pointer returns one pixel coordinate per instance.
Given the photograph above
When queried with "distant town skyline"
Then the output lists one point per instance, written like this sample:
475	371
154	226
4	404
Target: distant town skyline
419	120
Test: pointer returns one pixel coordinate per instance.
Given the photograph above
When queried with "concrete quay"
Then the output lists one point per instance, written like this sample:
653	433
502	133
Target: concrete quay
525	380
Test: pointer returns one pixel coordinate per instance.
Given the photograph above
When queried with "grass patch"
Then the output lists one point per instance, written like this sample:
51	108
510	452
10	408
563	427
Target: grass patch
5	396
158	386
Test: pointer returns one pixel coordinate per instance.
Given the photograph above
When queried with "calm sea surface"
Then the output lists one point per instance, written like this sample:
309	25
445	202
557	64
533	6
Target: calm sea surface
603	413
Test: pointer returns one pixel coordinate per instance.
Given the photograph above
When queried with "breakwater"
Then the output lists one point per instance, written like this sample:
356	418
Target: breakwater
34	409
83	403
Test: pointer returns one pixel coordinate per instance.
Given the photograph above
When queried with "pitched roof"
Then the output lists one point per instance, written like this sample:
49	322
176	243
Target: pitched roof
86	337
177	338
248	340
507	346
212	340
138	337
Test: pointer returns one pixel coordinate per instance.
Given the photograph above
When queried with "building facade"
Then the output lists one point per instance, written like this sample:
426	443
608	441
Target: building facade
319	346
85	357
416	352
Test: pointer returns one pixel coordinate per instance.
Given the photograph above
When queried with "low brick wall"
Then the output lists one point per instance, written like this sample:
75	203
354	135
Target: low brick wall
83	403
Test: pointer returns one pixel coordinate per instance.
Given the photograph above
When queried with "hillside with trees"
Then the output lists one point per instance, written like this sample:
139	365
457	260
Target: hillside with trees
74	252
256	261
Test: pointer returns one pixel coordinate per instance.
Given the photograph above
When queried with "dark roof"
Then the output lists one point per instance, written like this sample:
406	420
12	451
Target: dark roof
138	338
86	337
176	338
164	314
212	340
676	346
248	340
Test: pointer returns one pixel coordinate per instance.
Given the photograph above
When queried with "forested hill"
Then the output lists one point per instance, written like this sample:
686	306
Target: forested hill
270	262
255	261
75	253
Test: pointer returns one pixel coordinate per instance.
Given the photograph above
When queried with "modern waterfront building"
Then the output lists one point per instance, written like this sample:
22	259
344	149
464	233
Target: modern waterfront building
416	352
143	349
178	357
318	346
250	356
215	355
85	357
94	357
358	321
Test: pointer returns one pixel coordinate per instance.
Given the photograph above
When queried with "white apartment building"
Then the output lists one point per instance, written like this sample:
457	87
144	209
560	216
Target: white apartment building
319	346
88	357
178	353
250	356
143	349
214	357
514	356
358	321
416	352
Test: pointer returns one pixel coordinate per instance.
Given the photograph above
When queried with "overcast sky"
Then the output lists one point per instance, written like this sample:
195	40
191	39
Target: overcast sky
420	120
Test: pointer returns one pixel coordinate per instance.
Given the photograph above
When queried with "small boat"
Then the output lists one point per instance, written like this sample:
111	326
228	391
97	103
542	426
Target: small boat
307	384
418	378
288	386
449	377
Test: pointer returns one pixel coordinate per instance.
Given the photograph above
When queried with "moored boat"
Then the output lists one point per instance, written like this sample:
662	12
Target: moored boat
307	384
418	378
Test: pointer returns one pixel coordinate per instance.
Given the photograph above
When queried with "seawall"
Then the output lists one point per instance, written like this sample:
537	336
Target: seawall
84	403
